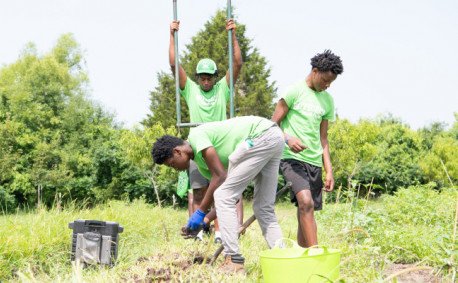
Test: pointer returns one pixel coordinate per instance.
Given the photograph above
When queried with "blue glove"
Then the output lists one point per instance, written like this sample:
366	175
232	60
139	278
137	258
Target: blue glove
195	219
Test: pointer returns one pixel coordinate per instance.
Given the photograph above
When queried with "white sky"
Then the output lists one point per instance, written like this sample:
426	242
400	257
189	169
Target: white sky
400	56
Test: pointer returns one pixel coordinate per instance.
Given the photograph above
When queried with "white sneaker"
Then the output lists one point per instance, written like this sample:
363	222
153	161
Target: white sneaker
218	239
199	237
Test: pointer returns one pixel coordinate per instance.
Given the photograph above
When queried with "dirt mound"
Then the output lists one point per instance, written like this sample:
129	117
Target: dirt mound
423	276
170	267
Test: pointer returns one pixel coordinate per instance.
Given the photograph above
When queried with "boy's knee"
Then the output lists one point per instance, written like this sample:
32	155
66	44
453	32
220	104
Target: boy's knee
263	211
304	202
199	194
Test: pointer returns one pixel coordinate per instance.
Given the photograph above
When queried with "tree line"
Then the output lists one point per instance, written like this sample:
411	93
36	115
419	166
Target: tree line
57	145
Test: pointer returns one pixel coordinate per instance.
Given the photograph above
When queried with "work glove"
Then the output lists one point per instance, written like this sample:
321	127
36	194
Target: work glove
195	220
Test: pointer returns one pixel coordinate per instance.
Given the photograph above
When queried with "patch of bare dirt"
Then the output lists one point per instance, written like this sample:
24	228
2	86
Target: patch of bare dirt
166	268
417	276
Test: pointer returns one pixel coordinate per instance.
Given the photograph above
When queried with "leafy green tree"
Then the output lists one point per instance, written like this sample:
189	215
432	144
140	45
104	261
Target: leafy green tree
53	138
396	162
429	133
8	158
442	151
454	130
34	91
384	152
445	148
138	144
253	93
352	146
47	169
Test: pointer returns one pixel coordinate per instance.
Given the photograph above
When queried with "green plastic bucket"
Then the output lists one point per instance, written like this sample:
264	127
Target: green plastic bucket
296	264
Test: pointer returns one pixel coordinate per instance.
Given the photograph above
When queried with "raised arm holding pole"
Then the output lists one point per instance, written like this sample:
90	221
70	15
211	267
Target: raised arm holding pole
180	75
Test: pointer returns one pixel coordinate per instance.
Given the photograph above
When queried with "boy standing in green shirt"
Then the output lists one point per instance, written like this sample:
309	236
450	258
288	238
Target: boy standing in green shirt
206	101
249	148
303	112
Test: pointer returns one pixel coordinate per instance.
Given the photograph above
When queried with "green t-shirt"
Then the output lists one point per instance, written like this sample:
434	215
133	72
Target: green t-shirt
307	108
206	106
224	136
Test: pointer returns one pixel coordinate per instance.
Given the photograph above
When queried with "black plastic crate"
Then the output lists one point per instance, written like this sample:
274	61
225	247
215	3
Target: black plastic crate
108	232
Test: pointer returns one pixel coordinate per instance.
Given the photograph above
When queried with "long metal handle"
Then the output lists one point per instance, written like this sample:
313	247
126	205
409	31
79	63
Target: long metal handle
231	80
186	125
177	67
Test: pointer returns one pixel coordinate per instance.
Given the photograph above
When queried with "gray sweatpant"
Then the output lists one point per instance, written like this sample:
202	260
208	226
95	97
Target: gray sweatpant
259	162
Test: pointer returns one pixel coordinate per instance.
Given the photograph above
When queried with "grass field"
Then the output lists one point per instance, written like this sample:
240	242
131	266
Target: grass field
413	229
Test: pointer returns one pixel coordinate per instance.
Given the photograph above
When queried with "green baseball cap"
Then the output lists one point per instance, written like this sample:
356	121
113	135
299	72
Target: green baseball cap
206	66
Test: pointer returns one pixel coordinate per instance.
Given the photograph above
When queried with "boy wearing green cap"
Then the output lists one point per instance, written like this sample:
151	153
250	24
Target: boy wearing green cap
206	101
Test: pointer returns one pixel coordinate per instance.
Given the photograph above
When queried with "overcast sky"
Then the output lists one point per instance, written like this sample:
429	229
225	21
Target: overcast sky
400	56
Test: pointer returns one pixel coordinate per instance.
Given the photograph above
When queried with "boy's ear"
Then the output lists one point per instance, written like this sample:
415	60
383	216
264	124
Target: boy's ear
177	151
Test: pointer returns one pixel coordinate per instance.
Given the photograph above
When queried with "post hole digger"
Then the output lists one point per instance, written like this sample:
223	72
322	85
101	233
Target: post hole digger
206	95
228	153
191	234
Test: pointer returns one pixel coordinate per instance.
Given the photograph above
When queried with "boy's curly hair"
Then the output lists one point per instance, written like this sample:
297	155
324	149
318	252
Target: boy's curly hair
163	148
327	61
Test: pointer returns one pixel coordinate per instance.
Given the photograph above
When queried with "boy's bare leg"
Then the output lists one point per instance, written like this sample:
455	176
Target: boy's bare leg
198	197
307	230
190	201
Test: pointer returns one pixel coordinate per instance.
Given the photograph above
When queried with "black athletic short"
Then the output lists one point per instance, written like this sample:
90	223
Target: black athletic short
303	176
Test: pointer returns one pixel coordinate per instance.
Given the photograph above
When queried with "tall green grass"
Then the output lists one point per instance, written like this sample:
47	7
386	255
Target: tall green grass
413	226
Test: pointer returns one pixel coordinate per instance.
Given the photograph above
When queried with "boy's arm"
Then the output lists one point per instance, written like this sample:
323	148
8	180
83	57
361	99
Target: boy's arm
294	143
237	57
175	26
329	183
218	172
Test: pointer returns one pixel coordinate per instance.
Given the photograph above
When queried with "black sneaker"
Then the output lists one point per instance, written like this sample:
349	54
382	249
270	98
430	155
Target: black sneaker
207	230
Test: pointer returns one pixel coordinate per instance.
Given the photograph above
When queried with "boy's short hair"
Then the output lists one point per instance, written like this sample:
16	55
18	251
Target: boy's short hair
327	61
163	148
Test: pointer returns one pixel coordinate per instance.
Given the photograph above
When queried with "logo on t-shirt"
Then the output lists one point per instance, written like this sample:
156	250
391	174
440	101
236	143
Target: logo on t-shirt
206	102
309	110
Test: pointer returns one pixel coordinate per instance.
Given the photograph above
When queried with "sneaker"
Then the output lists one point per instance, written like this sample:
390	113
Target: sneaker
218	239
233	265
207	230
199	236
